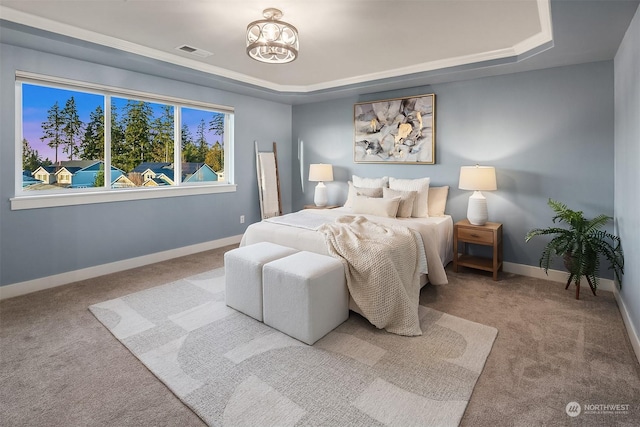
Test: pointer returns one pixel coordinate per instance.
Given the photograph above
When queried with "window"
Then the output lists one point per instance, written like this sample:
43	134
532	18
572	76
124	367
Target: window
142	141
80	139
202	150
61	129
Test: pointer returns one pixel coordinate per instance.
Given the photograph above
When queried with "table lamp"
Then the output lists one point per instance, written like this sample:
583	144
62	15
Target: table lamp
477	178
320	173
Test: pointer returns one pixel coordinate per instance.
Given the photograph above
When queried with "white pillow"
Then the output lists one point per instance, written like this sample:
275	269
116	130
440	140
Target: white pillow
360	191
421	185
376	206
370	182
407	199
438	200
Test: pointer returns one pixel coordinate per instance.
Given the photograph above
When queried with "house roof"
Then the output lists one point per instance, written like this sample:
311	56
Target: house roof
166	169
94	165
158	181
27	179
70	169
48	169
121	178
189	168
78	163
154	166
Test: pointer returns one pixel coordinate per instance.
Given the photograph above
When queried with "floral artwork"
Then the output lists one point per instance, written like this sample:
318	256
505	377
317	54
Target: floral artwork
398	130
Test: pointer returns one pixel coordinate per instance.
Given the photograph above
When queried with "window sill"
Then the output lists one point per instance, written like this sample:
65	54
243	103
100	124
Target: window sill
55	200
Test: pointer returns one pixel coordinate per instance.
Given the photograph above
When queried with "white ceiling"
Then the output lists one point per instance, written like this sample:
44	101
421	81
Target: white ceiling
342	42
347	47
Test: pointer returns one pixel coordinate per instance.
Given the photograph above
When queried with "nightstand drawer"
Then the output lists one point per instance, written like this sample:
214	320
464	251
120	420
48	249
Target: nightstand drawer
475	235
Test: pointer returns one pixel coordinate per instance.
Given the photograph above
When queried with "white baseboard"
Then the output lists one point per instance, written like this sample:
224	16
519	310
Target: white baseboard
29	286
554	275
634	338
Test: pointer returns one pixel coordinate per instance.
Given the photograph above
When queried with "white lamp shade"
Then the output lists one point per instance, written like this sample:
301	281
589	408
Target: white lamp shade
478	178
320	172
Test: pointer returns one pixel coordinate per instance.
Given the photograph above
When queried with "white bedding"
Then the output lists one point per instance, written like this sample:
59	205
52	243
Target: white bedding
436	232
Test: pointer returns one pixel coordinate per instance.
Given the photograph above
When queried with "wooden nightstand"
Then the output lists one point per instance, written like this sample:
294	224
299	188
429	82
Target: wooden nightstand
489	234
320	207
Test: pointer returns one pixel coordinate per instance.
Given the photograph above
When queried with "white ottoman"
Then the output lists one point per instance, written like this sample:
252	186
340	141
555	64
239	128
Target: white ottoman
305	295
243	275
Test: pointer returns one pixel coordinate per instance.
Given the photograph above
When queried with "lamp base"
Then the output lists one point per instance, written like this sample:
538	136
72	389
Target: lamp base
477	213
320	196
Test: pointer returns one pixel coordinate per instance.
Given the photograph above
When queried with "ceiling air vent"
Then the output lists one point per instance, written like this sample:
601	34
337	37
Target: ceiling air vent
194	51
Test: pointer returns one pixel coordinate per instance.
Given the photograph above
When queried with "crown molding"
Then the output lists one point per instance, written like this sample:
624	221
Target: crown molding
506	54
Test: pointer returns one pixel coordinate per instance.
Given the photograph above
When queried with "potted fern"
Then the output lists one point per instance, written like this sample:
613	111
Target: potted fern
581	245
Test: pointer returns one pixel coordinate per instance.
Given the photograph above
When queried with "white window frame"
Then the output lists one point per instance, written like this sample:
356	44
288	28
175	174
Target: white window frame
70	197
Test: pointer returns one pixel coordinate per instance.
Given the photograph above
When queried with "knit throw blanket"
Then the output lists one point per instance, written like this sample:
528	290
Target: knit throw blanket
383	270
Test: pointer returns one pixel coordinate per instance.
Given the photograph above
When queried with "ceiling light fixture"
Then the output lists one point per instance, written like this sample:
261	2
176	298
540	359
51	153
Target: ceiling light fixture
271	40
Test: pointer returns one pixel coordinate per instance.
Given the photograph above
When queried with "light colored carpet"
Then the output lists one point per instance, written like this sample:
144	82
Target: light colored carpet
233	370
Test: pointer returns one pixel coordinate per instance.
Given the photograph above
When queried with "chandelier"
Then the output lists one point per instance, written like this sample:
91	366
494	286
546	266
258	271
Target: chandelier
271	40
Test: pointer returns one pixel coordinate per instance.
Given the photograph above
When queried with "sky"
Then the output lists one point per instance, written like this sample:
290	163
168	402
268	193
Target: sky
37	100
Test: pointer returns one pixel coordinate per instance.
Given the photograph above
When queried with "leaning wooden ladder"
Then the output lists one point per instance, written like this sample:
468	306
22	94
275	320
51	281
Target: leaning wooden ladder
268	182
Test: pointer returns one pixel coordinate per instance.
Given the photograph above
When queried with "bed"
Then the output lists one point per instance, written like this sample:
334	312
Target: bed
389	240
436	232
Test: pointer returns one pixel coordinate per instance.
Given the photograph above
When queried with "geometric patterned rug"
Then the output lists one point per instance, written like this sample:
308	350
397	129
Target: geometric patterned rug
233	370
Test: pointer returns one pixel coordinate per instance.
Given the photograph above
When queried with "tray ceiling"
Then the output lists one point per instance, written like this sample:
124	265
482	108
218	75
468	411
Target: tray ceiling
342	42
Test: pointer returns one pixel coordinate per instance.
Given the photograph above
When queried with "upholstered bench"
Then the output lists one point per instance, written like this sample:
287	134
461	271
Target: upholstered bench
305	295
243	275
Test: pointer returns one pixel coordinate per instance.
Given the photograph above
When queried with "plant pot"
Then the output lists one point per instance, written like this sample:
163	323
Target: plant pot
568	259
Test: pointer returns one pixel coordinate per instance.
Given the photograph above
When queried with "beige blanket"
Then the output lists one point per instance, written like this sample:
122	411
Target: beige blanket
383	271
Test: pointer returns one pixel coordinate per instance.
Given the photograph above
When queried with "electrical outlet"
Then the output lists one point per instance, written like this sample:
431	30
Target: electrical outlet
241	219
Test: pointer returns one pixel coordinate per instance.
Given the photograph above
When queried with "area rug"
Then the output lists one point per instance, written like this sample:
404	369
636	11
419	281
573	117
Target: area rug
232	370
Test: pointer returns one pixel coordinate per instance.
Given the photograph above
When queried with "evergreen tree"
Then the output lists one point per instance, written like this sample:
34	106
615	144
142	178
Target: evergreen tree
216	125
162	131
92	145
216	154
137	135
31	159
186	137
52	129
72	127
189	150
201	142
118	149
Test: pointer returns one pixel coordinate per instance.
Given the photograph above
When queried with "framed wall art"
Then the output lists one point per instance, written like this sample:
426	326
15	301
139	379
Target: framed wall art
399	130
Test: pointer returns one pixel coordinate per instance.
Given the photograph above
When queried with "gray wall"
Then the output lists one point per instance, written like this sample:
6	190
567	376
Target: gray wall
77	237
627	159
549	134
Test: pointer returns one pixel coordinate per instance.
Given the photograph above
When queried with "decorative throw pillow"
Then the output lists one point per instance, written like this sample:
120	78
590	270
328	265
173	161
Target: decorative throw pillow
370	182
421	185
360	191
376	206
407	199
438	200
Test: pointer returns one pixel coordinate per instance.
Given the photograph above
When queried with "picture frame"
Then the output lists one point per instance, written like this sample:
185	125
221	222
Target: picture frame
397	130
